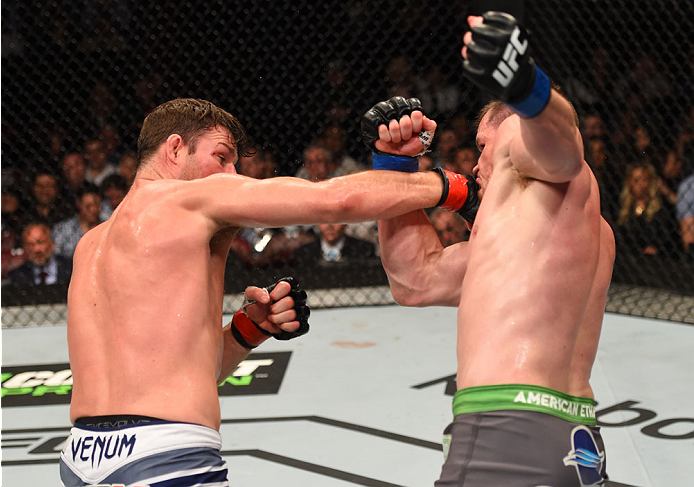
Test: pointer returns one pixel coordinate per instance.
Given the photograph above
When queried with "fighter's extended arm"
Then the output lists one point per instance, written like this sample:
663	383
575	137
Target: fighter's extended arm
497	59
279	311
275	202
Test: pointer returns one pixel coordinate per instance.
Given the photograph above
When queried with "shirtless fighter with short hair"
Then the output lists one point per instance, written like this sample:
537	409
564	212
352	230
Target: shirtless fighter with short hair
530	285
145	300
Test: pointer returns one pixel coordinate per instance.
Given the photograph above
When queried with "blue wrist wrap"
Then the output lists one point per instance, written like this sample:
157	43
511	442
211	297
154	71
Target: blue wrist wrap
538	98
395	163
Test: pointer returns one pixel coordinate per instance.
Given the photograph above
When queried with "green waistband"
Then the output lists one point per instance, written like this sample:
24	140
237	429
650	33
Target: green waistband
524	398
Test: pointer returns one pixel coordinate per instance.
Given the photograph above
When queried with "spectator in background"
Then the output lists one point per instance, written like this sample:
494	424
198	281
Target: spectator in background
426	163
42	266
13	215
622	139
98	168
685	213
596	155
127	167
12	220
644	226
643	145
446	142
338	94
593	126
258	165
73	169
399	78
318	164
670	177
113	190
461	126
101	107
68	232
113	149
607	174
685	199
333	246
588	92
440	98
685	139
334	138
464	159
56	144
449	226
44	204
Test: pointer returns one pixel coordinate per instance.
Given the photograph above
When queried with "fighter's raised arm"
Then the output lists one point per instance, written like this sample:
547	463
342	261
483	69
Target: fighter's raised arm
498	59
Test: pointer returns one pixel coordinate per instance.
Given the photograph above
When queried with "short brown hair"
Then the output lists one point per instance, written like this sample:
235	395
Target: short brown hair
189	118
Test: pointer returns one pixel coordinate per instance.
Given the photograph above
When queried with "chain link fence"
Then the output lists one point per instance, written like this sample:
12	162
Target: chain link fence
79	76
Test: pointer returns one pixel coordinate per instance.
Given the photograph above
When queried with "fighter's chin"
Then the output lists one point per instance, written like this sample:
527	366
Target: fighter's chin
469	225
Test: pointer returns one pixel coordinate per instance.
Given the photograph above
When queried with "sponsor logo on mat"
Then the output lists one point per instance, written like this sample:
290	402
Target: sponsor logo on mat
35	385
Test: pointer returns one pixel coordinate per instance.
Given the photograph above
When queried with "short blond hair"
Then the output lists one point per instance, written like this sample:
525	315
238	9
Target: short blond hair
499	111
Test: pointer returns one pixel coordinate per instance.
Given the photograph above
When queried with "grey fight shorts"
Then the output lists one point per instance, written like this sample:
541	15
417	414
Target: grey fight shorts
142	452
522	436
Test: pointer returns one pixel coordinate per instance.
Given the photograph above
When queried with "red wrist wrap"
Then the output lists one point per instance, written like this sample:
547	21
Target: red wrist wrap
247	333
457	191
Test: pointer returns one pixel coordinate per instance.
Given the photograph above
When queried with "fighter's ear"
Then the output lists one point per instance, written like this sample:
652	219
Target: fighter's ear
174	149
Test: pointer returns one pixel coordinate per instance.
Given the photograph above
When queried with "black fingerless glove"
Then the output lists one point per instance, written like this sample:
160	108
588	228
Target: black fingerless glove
499	62
382	113
300	306
249	334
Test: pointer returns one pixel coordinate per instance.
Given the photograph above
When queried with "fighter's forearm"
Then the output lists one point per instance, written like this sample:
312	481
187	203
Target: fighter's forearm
233	354
375	195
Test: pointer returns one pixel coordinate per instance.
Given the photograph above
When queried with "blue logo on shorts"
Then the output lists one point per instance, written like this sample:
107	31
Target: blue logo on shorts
586	457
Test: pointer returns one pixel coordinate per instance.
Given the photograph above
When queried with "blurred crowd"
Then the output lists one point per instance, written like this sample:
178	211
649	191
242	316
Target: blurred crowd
646	182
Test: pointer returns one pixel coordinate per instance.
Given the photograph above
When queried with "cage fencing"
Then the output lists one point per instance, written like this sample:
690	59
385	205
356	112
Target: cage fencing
78	77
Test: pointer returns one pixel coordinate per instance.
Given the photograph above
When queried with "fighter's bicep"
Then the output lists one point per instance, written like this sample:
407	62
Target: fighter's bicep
447	272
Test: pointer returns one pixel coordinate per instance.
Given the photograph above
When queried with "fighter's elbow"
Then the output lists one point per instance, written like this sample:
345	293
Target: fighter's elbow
405	296
562	168
572	168
340	205
410	296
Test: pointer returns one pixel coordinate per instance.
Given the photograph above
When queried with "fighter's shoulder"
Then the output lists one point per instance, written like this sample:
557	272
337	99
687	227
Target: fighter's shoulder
210	185
89	240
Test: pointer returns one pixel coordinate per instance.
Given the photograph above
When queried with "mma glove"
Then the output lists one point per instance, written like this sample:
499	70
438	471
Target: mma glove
249	334
382	113
459	194
500	63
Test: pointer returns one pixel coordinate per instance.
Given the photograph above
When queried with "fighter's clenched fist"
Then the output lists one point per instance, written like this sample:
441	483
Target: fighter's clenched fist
497	59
